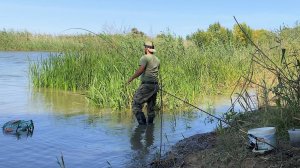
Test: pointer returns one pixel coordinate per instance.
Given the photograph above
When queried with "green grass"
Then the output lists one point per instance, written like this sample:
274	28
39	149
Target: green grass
25	41
100	65
186	70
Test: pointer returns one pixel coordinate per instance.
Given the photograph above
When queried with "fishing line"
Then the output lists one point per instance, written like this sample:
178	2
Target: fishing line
132	65
102	36
278	71
178	98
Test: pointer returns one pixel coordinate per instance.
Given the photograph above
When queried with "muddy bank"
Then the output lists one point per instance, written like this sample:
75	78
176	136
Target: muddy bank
226	150
182	151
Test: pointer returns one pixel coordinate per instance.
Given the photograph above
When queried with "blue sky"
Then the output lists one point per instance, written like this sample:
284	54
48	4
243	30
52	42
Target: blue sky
180	17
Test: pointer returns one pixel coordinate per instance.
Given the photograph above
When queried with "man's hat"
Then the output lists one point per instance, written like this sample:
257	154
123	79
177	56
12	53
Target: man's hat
148	43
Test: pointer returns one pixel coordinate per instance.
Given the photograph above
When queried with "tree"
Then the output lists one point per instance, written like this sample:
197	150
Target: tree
239	36
214	34
260	35
219	33
136	32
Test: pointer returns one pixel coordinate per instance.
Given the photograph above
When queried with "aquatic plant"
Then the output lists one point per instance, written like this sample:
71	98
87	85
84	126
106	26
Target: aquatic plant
102	72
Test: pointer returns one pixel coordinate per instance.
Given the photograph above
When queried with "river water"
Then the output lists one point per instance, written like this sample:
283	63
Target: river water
86	137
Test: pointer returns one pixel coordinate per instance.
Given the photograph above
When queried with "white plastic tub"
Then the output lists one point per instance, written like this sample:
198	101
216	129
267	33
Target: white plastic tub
294	137
264	134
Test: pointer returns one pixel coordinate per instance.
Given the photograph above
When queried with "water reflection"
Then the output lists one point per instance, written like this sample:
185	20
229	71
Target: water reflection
19	135
142	138
88	137
64	102
142	141
130	144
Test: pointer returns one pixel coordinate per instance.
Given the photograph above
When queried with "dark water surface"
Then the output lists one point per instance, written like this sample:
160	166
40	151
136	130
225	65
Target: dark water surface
87	137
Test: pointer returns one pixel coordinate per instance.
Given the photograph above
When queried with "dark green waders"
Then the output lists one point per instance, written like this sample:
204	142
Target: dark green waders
146	93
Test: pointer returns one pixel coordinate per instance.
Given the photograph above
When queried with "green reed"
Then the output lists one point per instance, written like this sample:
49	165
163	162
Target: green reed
25	41
276	66
102	69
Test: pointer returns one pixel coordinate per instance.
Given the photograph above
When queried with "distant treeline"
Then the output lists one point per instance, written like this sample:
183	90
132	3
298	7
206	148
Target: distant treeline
216	33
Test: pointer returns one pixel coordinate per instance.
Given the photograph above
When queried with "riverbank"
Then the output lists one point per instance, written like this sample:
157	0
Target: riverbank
227	148
203	150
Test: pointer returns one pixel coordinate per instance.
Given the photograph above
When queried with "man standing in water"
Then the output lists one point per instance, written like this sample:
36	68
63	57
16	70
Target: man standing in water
147	91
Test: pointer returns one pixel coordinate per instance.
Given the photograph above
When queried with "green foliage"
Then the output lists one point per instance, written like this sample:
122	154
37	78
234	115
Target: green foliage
205	64
239	35
218	34
136	32
277	78
214	34
102	72
289	37
15	41
262	36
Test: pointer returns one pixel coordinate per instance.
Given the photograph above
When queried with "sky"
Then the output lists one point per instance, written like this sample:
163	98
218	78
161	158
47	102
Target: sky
179	17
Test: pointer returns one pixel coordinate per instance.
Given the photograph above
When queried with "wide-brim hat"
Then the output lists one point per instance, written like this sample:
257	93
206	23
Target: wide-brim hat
148	44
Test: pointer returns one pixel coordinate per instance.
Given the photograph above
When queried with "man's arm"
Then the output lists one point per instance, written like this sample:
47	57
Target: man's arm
137	73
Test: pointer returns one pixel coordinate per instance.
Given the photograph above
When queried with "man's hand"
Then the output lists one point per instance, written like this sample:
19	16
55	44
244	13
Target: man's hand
129	81
137	73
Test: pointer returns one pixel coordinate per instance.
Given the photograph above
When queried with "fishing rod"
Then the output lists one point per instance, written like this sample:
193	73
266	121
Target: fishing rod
178	98
188	103
218	118
278	71
101	36
160	88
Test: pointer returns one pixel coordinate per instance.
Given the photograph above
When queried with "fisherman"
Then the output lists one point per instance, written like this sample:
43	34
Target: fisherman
147	91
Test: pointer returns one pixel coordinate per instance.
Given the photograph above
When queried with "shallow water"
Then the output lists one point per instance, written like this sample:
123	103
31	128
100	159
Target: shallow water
86	136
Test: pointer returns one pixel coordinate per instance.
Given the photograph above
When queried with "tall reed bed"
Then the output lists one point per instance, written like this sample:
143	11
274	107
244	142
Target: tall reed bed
191	72
102	70
16	41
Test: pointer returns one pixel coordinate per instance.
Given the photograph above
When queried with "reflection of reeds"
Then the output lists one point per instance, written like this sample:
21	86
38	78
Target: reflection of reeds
187	71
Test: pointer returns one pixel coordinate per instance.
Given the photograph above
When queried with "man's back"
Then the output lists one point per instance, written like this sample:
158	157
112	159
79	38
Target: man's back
152	66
